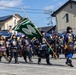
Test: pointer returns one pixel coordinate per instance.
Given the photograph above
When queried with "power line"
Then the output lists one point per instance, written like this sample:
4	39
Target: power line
17	9
23	7
21	11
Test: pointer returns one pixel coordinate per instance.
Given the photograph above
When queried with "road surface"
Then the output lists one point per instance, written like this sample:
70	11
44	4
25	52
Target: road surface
57	67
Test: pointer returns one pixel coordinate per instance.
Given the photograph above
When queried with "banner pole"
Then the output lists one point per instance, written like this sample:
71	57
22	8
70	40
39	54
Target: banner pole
30	19
40	34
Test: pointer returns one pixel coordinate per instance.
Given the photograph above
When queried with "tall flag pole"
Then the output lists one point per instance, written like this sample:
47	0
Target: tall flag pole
27	27
29	18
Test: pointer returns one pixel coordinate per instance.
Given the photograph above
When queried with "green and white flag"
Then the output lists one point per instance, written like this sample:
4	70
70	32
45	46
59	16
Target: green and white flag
27	27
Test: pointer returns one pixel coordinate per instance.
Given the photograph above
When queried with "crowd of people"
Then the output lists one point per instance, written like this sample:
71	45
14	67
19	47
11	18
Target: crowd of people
26	48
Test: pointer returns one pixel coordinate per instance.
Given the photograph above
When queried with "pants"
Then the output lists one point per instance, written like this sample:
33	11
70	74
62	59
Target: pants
69	58
47	59
27	54
7	51
3	54
15	55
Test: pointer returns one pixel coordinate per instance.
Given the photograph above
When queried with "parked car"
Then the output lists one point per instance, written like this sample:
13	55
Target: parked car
5	33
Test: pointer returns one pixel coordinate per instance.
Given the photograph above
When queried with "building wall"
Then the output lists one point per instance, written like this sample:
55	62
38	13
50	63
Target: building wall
10	23
1	26
61	18
15	20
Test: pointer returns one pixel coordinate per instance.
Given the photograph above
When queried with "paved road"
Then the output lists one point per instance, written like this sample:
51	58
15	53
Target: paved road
57	67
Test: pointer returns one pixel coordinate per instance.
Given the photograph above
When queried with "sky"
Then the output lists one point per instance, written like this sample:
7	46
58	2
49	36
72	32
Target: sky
39	11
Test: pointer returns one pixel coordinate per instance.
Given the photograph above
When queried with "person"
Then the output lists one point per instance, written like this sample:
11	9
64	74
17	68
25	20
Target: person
56	45
44	49
20	43
8	47
61	46
26	51
69	46
3	48
36	46
14	49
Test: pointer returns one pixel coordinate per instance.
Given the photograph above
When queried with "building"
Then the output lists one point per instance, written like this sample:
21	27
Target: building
8	22
48	29
66	16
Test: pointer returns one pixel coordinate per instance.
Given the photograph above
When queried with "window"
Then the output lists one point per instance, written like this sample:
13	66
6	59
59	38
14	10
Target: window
15	22
67	18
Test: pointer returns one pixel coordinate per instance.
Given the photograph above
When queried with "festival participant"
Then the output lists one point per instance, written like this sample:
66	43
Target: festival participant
69	46
14	48
44	53
8	47
3	48
26	51
20	43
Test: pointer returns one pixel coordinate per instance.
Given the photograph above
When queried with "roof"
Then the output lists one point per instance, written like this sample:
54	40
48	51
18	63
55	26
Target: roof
5	18
18	16
70	1
46	29
53	28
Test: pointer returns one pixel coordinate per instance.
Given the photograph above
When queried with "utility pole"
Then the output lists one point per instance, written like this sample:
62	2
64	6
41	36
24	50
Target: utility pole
49	12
